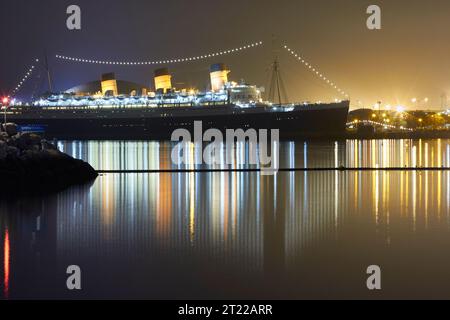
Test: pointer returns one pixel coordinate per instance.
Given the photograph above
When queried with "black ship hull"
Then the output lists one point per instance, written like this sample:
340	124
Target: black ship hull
303	121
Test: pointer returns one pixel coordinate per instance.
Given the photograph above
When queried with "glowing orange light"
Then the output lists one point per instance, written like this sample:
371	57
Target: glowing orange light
5	100
6	258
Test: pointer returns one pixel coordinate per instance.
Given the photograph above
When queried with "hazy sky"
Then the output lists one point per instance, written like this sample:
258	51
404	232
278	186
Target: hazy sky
409	57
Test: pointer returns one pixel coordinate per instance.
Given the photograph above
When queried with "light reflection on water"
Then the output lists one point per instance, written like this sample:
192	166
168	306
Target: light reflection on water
235	234
6	262
141	155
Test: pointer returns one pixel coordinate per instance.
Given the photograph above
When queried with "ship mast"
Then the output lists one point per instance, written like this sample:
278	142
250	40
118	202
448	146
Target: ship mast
277	90
47	69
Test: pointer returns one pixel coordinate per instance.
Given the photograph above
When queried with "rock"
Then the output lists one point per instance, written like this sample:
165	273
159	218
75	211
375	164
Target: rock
3	150
45	145
28	141
41	172
29	165
11	129
12	151
4	136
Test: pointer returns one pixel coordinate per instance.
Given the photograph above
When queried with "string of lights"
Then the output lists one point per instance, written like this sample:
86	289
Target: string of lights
24	79
315	70
164	61
390	126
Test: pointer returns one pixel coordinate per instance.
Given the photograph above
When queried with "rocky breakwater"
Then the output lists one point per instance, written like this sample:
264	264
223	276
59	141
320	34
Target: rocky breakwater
30	164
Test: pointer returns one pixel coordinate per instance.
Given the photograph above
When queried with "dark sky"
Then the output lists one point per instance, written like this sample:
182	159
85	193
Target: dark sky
409	57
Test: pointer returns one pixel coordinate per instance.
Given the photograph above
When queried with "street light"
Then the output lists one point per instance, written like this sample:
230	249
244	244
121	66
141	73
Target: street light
5	103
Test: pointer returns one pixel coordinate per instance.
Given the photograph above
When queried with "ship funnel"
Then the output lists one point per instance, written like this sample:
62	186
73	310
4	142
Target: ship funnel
109	84
219	76
163	80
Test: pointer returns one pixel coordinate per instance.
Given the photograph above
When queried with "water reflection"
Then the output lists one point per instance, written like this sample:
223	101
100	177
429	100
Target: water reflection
6	261
140	155
235	234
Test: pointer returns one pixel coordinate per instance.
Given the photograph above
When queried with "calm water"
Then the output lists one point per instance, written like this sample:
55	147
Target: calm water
237	235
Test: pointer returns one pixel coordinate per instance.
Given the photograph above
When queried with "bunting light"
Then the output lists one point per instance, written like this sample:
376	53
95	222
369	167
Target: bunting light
316	71
385	125
163	61
24	79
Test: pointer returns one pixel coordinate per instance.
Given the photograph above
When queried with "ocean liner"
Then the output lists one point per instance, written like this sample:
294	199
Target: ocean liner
141	114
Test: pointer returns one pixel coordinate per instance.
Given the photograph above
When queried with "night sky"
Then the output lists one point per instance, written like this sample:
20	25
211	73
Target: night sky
409	57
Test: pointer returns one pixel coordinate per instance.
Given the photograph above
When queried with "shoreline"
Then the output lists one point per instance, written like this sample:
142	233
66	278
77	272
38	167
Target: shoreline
435	134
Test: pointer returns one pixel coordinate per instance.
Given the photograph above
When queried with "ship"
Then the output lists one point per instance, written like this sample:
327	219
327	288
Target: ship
154	115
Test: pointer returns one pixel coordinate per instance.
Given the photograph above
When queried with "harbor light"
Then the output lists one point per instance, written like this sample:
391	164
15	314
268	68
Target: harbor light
5	102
